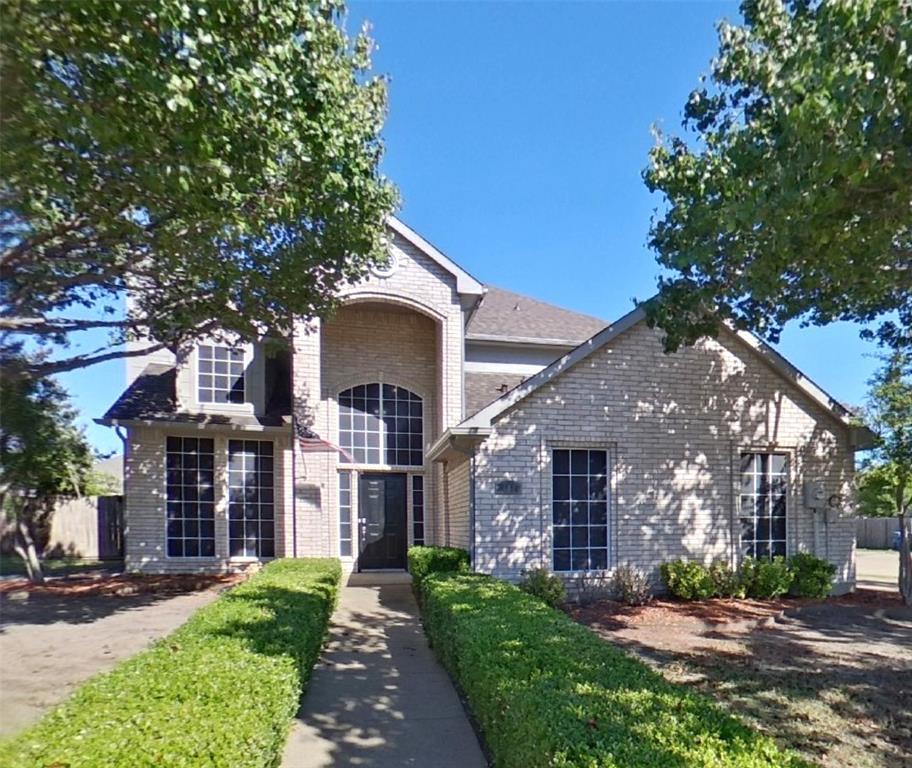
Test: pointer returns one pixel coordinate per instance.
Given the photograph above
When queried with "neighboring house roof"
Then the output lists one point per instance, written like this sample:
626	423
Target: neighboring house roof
113	466
483	388
481	421
506	316
152	397
465	283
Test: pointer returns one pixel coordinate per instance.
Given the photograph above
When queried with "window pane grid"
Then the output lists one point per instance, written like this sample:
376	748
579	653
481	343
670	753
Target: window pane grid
579	507
764	488
220	374
251	498
345	514
417	510
381	424
190	496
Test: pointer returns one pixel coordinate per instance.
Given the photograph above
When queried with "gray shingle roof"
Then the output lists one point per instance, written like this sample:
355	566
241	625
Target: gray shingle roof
510	315
484	388
152	397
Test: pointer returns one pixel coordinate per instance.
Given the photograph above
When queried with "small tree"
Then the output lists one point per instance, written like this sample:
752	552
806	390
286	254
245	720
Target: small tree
43	458
889	414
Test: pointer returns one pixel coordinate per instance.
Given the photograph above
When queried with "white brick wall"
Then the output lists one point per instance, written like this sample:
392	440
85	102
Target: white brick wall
405	329
458	473
675	426
144	491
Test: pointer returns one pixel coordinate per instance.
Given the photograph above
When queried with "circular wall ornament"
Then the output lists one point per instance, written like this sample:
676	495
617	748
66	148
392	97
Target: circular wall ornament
388	269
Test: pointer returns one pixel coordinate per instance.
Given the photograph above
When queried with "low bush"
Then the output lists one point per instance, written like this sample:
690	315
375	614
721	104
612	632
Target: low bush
765	579
423	561
548	692
630	586
726	581
541	583
812	576
687	580
220	691
591	587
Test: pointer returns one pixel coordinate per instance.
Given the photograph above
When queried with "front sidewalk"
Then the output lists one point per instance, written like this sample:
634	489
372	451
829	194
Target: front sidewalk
378	697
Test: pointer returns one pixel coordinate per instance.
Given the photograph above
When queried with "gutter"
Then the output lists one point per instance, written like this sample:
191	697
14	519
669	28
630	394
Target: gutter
462	440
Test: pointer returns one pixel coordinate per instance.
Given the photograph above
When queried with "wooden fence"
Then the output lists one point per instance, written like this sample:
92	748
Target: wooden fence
876	532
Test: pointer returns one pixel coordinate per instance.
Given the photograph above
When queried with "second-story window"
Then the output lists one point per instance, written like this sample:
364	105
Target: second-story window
220	374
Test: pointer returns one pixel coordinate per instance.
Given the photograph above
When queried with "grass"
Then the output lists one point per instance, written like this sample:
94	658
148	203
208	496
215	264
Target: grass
220	691
548	692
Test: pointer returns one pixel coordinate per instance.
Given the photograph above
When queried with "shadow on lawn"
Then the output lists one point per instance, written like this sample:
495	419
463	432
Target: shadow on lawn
832	681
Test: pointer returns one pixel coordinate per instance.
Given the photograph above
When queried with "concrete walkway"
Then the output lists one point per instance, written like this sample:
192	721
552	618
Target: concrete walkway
378	697
877	568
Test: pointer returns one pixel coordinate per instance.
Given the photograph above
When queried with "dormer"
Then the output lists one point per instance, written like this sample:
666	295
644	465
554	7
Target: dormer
220	375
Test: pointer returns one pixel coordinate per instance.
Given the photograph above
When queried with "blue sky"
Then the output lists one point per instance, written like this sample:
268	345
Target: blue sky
517	135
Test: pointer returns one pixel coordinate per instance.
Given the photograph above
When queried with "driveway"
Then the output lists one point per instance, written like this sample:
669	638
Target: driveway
49	644
877	568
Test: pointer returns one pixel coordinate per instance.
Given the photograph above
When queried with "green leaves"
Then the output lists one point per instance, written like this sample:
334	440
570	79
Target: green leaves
244	138
220	691
548	692
793	200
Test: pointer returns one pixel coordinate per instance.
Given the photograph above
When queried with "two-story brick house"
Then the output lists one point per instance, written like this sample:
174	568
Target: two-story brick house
433	409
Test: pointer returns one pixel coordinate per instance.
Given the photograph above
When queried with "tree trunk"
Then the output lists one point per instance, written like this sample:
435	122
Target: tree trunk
25	547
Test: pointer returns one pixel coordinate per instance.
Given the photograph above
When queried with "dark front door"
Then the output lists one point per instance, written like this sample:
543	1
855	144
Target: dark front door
381	498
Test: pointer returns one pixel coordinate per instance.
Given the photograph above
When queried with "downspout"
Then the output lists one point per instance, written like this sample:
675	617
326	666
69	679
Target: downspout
472	511
733	503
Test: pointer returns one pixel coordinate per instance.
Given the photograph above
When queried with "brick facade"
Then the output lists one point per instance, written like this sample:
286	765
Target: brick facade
674	426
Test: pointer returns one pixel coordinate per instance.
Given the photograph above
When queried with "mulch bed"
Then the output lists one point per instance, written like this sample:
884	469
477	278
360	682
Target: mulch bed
122	584
666	612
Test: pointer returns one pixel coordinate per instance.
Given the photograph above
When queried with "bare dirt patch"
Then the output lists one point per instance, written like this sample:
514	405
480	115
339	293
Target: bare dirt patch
831	679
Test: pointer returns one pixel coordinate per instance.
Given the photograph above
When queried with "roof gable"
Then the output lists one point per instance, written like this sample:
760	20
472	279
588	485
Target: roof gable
483	419
465	283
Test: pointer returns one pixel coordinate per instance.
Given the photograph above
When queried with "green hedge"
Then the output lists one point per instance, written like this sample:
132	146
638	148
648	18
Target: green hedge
220	691
423	561
548	692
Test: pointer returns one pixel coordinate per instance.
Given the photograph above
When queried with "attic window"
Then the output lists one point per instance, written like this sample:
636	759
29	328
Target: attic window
220	374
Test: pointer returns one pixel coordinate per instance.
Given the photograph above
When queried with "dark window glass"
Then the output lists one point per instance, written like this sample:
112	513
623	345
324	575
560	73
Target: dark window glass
189	477
579	509
221	374
764	488
251	496
345	513
417	510
381	425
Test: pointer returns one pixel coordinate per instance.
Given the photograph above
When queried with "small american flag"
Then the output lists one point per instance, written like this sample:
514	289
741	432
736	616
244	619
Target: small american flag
311	442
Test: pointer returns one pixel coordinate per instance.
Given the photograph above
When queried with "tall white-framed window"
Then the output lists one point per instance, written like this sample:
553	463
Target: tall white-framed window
579	509
418	510
381	424
220	375
190	496
251	498
345	513
764	494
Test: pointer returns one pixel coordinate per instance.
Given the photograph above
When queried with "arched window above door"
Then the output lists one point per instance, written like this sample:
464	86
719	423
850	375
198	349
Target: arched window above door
381	424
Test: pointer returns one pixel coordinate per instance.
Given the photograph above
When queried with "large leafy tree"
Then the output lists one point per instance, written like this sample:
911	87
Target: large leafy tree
43	458
219	157
888	479
789	194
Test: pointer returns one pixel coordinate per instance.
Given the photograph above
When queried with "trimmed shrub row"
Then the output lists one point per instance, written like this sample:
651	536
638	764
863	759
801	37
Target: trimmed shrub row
548	692
802	575
219	691
423	561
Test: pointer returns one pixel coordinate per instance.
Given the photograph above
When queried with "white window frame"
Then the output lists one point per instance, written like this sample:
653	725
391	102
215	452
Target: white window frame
216	501
247	356
766	450
609	500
